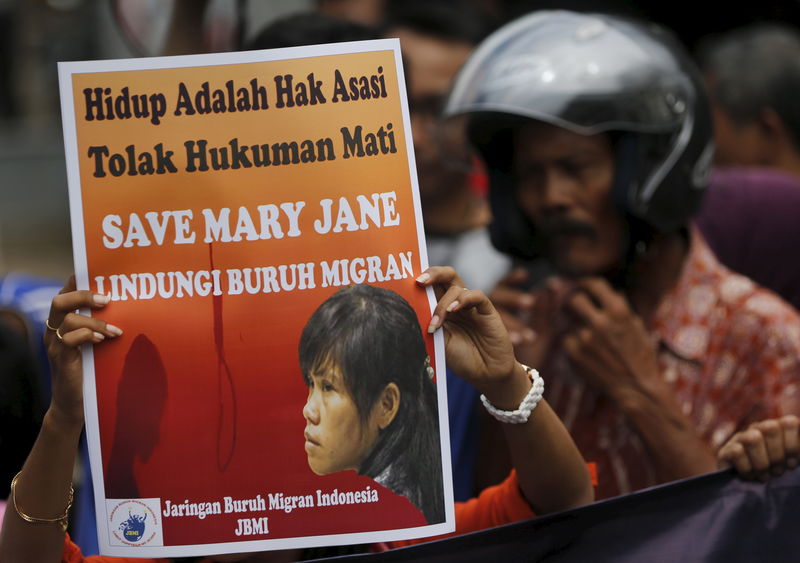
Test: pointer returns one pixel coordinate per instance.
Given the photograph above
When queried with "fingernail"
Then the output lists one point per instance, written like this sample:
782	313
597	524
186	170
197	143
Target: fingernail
423	277
116	331
452	306
101	299
434	324
98	337
528	335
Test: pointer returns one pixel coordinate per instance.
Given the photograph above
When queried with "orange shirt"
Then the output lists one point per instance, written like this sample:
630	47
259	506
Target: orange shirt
495	506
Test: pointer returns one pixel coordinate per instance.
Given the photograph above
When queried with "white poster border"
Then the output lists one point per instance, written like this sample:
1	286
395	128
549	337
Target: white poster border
66	71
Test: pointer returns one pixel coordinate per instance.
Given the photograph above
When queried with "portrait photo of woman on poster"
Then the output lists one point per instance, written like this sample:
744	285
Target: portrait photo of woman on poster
372	403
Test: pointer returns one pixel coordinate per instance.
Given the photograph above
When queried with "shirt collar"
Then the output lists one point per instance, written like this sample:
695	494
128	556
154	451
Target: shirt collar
681	320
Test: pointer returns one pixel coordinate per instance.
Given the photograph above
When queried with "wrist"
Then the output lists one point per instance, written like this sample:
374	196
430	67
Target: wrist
522	412
67	421
508	392
632	400
643	403
641	394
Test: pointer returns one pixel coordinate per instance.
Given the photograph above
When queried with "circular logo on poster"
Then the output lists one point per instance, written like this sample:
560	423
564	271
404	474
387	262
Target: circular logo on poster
134	522
133	528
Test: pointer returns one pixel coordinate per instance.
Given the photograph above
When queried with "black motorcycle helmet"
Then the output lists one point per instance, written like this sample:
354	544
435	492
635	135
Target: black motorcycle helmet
590	73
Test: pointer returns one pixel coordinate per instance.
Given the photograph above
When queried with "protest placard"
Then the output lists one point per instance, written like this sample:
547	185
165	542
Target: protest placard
219	201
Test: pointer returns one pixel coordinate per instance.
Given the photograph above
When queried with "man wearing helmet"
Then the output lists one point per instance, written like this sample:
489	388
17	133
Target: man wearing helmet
597	135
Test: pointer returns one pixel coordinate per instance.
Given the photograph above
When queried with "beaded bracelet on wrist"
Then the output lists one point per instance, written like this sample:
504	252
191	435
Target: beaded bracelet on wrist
525	408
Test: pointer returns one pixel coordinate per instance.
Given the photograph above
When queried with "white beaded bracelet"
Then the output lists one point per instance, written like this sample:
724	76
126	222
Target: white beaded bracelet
525	408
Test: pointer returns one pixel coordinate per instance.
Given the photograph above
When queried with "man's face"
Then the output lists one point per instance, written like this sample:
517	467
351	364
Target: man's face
736	144
432	66
336	437
563	184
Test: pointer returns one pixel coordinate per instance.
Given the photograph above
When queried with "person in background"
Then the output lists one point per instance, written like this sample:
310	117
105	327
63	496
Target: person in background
597	134
753	76
309	28
750	213
365	12
21	406
24	379
435	40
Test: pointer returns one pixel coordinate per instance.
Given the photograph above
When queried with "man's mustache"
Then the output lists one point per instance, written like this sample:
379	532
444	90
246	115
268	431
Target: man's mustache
547	228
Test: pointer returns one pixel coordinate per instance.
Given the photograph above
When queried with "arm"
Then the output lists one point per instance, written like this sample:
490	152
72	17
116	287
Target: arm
770	446
43	485
551	472
614	352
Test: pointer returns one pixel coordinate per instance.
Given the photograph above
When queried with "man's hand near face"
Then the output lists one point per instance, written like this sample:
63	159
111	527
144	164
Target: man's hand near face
529	315
610	347
608	343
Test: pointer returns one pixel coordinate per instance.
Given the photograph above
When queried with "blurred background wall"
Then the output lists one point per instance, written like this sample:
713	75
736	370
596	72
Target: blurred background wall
36	34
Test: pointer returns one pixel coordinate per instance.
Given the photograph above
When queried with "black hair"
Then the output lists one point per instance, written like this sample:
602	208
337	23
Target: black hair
21	408
373	336
462	22
309	28
753	68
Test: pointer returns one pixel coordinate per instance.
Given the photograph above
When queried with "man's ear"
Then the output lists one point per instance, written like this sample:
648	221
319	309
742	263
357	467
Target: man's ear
773	136
387	405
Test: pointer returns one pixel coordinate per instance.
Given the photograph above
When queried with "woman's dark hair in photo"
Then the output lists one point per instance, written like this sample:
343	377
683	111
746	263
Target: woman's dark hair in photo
374	338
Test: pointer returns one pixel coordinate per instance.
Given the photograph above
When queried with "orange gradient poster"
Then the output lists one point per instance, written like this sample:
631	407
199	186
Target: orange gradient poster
255	220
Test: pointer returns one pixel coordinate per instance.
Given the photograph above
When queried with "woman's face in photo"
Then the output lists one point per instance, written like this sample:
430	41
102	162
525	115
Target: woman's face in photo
336	437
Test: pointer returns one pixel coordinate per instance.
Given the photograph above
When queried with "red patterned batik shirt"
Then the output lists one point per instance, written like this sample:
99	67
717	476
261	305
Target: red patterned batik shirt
729	349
